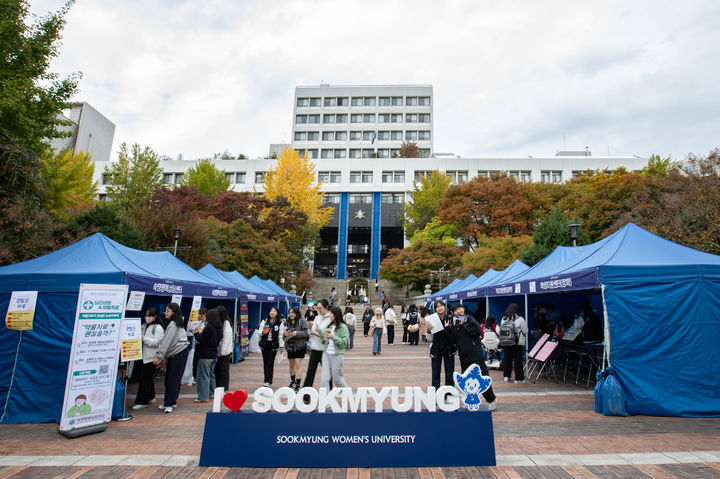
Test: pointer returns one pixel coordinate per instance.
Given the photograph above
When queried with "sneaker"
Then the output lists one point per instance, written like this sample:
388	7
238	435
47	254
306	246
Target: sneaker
168	410
266	384
292	384
200	400
162	406
138	406
492	405
152	401
521	381
507	380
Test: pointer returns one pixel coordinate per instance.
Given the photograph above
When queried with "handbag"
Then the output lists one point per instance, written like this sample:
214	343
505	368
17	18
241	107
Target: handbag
414	328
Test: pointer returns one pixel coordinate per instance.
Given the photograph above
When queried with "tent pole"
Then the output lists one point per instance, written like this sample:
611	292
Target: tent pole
606	330
487	306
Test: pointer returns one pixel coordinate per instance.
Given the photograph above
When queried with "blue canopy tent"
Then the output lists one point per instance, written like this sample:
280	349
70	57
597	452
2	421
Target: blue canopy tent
446	289
476	291
650	288
33	364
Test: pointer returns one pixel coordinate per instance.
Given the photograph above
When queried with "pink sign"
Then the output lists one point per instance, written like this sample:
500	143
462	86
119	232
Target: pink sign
546	351
538	345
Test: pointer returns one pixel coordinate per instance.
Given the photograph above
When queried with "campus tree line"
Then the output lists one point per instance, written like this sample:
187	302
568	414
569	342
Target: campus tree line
497	220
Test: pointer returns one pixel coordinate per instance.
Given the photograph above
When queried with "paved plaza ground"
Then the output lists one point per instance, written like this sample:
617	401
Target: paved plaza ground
542	430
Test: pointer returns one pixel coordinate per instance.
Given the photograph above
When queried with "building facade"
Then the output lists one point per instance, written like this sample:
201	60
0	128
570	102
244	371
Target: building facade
90	132
351	122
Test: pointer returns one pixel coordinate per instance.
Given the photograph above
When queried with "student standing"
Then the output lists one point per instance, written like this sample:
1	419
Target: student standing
413	327
270	335
442	350
225	350
173	349
513	354
390	323
377	324
349	319
315	342
404	321
296	336
334	338
366	318
207	350
152	336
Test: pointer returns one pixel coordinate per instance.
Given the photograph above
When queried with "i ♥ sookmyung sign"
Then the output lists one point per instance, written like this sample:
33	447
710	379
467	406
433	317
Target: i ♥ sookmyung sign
349	428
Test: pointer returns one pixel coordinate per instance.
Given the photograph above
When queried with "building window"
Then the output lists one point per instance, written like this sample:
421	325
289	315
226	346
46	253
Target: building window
392	198
424	152
313	153
419	174
328	136
384	101
383	153
339	153
167	178
411	118
300	136
396	135
330	101
397	101
355	135
342	101
369	101
105	178
396	118
457	176
556	176
362	198
424	118
314	101
424	135
361	176
328	118
354	153
260	177
411	135
424	101
331	198
301	119
356	101
369	153
411	101
341	136
313	136
303	102
383	135
548	176
178	178
369	118
230	177
356	118
328	177
341	118
525	177
313	118
240	178
384	118
325	153
368	135
394	152
393	177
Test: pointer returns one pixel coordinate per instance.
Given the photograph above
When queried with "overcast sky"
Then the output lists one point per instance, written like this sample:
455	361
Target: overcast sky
510	78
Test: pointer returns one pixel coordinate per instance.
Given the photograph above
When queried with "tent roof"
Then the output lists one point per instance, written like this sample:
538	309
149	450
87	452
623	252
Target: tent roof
630	254
270	285
98	259
456	285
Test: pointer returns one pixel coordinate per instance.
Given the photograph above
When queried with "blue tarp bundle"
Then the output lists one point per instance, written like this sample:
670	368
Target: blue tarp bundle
33	364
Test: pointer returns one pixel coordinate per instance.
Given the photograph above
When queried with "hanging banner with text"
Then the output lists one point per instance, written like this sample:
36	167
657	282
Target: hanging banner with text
135	301
90	384
21	310
245	345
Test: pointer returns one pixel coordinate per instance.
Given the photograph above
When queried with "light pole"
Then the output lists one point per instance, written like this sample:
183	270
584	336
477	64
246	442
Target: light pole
440	274
176	233
573	232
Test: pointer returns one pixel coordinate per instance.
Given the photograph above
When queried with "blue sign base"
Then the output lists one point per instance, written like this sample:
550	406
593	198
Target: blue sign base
386	439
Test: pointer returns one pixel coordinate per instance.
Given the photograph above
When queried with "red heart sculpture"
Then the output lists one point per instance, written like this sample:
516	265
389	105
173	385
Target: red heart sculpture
235	400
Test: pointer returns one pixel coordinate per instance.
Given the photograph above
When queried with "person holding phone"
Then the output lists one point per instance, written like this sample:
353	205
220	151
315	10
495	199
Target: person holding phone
317	348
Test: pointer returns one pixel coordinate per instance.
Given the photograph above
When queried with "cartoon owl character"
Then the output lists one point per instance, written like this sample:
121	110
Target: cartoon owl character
472	384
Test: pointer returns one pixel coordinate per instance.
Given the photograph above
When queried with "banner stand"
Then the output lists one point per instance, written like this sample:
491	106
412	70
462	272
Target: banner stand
126	416
83	431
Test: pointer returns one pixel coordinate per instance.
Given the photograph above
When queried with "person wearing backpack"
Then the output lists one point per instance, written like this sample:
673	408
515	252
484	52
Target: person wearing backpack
513	331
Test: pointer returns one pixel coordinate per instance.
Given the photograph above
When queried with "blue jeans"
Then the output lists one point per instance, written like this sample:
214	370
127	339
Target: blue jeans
206	378
377	337
351	336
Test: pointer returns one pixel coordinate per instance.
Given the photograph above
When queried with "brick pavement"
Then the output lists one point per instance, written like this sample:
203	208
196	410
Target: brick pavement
541	430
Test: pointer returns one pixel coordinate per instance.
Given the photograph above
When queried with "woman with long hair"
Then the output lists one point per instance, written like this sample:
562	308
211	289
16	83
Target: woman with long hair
404	320
442	349
349	319
335	338
225	349
513	354
377	324
317	348
270	335
153	333
207	350
173	350
296	336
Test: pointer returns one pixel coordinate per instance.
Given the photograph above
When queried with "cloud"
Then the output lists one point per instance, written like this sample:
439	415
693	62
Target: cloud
509	77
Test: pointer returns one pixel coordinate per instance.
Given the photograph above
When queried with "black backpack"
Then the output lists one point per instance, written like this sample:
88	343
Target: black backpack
507	334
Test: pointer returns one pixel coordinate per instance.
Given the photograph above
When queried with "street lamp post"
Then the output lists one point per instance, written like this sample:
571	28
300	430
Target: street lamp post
574	232
440	275
176	233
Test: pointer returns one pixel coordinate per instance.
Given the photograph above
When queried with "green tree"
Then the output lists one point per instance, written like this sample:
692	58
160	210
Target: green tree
411	266
206	177
31	97
68	182
436	231
110	220
549	234
424	197
133	178
494	252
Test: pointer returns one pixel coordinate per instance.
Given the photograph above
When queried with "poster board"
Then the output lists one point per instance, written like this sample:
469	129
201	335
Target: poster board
177	299
195	309
244	325
130	340
135	301
92	370
21	310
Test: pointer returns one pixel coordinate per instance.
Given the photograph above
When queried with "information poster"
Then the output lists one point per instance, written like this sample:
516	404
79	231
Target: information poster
244	329
135	301
21	310
90	383
130	340
177	299
195	308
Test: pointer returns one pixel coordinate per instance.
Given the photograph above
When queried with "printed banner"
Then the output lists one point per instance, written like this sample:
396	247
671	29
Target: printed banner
177	299
21	310
91	378
131	340
195	308
244	343
135	301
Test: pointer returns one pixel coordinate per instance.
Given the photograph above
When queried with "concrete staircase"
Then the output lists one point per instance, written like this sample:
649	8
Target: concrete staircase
323	286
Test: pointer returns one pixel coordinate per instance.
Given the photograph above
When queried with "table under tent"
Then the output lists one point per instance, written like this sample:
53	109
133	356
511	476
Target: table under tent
33	363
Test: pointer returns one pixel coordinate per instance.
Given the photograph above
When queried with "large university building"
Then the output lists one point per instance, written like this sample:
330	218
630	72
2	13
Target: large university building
351	132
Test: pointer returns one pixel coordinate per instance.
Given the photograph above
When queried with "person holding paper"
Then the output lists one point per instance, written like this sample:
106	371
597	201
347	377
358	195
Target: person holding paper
442	349
173	350
152	336
335	339
317	348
